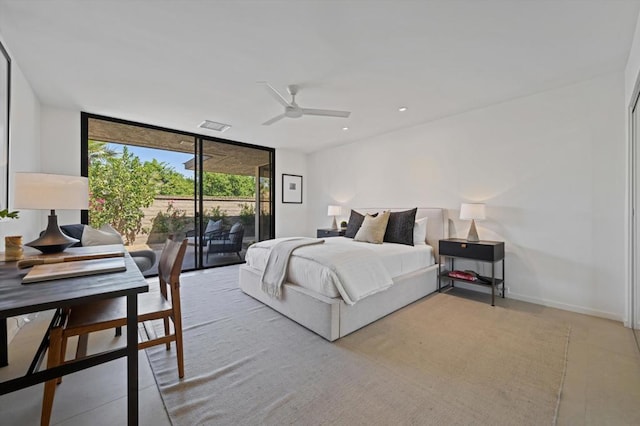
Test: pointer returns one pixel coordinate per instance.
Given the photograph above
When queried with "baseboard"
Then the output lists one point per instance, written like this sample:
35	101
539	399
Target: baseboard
567	307
549	303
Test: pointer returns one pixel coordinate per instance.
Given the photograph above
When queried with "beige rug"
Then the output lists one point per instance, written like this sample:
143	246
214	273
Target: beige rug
443	360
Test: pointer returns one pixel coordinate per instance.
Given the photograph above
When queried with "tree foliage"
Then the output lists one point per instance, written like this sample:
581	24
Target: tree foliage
120	187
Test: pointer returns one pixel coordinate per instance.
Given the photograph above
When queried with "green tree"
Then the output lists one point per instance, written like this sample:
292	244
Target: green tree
100	151
171	182
120	187
216	184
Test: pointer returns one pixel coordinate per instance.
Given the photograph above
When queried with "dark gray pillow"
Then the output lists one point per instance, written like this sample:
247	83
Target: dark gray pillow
400	227
355	222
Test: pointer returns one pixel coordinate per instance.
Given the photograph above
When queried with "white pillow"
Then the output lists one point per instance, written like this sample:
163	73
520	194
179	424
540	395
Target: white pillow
420	231
97	237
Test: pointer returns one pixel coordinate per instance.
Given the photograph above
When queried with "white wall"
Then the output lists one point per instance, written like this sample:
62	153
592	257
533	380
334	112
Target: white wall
24	148
291	219
24	156
550	167
60	153
632	71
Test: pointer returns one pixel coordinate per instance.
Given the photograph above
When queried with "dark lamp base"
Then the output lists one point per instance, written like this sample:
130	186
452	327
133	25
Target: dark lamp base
53	240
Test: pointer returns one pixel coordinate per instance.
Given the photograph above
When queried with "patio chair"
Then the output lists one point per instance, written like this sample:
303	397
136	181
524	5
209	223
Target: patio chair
227	242
213	230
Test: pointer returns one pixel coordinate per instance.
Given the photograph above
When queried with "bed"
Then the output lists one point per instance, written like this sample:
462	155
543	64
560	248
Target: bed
327	314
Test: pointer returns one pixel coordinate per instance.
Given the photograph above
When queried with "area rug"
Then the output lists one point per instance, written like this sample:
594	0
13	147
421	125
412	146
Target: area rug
443	360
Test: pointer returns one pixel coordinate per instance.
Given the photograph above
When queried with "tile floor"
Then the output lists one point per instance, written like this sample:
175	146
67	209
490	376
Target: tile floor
602	383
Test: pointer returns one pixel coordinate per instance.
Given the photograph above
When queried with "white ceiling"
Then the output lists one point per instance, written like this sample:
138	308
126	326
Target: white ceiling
176	63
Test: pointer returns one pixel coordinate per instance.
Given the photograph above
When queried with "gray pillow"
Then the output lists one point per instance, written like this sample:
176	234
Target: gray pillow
213	225
400	227
355	222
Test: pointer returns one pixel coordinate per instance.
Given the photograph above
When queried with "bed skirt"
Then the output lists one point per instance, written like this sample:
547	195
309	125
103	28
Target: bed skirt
331	318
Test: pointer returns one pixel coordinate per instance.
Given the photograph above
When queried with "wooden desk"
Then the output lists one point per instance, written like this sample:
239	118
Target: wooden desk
19	299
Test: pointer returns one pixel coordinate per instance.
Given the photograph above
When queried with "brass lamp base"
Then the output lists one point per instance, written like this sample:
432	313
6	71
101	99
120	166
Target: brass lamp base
53	240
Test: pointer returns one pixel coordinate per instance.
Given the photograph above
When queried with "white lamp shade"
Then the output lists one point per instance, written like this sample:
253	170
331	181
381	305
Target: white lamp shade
334	211
43	191
472	211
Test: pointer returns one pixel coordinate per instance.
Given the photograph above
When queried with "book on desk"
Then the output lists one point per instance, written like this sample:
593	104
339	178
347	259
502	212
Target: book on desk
77	264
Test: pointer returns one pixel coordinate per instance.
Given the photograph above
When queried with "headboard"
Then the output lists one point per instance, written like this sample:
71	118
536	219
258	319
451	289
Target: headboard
437	225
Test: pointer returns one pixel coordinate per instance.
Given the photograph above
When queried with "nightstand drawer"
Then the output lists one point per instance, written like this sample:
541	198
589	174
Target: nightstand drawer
490	251
324	233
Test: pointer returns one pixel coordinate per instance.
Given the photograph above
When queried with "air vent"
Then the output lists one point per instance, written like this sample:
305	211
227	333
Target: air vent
212	125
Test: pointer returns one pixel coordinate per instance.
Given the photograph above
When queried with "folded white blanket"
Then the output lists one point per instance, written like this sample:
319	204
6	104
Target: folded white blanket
275	271
356	272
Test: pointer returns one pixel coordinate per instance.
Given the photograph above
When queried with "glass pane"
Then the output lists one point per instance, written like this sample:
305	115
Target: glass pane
141	186
229	197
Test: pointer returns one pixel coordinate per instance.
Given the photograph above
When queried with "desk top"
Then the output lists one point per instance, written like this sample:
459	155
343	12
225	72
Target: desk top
17	299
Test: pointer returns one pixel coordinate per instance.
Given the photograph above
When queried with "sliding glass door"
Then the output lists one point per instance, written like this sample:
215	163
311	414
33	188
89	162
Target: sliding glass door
150	183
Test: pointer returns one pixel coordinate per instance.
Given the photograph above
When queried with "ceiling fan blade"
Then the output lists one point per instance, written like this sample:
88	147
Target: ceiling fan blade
326	112
274	119
276	95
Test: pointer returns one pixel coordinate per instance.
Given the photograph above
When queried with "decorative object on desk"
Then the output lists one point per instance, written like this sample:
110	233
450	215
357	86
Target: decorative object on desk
472	212
6	214
334	211
80	268
343	224
43	191
83	255
291	189
12	244
13	247
5	101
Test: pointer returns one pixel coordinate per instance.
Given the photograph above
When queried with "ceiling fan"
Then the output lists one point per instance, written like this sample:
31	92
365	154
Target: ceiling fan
293	110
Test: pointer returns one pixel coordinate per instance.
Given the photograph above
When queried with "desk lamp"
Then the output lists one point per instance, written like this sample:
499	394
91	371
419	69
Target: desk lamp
43	191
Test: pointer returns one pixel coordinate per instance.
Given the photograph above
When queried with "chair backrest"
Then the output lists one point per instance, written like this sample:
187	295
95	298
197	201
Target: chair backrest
170	264
236	233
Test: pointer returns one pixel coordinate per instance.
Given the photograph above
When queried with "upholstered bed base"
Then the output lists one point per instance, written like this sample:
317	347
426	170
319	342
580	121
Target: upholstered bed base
332	318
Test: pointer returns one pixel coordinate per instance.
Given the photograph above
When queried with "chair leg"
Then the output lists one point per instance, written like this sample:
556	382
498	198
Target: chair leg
83	342
53	360
177	324
166	331
63	354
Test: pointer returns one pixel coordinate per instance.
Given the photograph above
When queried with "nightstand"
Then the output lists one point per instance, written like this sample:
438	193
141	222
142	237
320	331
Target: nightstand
328	232
483	251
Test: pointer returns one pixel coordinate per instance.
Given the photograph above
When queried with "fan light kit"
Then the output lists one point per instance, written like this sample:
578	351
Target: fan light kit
293	110
213	125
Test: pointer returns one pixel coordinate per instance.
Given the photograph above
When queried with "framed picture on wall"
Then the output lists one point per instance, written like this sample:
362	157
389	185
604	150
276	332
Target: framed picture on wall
292	189
5	99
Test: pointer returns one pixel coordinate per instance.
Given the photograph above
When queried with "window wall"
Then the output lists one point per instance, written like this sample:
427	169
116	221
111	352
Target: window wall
150	183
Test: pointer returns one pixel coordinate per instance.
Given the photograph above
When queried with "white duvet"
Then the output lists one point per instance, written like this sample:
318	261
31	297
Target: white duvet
397	260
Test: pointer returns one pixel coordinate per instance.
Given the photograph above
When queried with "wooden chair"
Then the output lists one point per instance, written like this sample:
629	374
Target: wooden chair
107	314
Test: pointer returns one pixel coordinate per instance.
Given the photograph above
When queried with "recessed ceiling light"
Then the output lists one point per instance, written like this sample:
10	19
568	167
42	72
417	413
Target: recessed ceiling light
213	125
402	109
345	128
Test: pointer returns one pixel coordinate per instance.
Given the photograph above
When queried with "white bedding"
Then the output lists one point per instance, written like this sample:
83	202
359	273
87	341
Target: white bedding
397	259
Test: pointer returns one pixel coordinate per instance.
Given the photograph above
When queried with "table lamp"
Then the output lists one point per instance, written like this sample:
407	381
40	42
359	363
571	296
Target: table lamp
334	211
43	191
472	212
